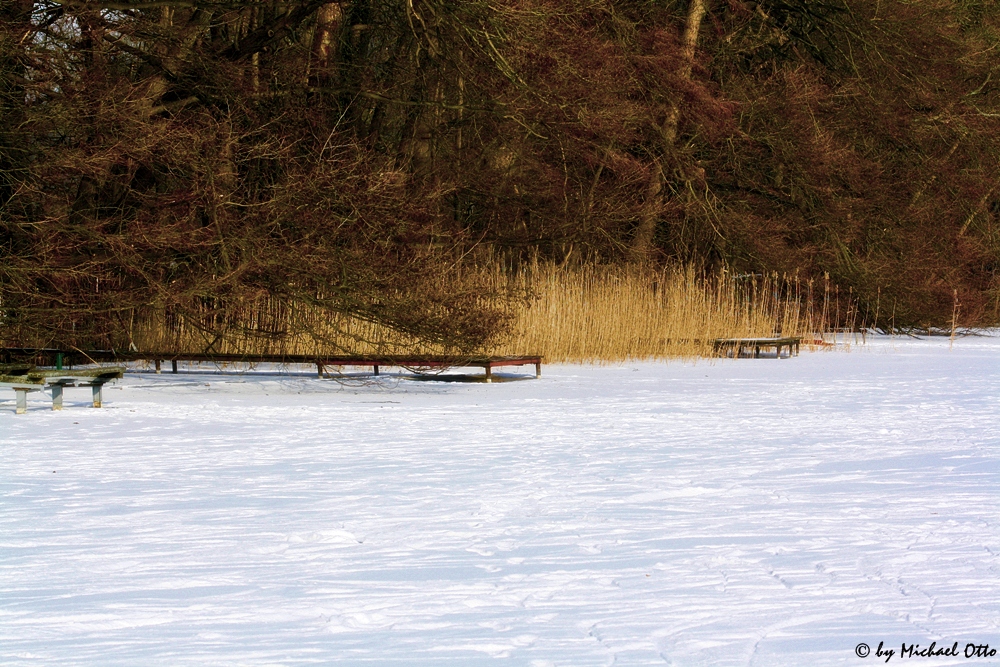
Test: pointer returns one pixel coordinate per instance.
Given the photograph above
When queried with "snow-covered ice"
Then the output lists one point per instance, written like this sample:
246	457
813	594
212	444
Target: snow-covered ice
737	512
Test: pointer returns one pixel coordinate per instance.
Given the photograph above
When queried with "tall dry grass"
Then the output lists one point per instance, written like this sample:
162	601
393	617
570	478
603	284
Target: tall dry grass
614	313
567	314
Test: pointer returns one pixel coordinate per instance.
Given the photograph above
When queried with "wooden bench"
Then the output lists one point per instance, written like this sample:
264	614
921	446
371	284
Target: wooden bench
33	379
21	386
737	347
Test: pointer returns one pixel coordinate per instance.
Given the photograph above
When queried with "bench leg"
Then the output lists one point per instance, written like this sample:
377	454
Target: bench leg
22	401
489	373
57	397
96	390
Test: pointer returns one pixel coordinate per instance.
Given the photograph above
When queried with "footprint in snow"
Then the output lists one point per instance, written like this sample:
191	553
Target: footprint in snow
326	537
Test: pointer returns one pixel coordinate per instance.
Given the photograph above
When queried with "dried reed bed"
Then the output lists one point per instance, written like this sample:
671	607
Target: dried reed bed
269	326
567	314
605	314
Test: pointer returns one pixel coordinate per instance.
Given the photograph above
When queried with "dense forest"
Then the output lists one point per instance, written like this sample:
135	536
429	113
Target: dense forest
197	156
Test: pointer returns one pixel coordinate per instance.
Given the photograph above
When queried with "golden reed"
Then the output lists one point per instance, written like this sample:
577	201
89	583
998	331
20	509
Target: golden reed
567	314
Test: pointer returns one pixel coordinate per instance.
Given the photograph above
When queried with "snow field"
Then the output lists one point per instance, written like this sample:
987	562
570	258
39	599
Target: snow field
737	512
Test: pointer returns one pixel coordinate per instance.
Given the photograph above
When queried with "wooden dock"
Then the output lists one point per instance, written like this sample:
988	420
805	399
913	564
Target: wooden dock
60	358
751	347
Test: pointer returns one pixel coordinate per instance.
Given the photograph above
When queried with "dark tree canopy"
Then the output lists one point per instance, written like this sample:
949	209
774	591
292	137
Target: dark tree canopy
191	156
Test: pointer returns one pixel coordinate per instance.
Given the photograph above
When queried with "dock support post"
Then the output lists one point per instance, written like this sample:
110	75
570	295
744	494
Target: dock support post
96	391
375	370
157	363
173	366
57	397
22	401
538	369
489	373
319	369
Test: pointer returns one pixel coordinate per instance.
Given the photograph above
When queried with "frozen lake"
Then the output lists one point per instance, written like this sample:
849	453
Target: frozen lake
737	512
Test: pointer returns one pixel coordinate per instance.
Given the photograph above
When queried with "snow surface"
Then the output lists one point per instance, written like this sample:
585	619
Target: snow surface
737	512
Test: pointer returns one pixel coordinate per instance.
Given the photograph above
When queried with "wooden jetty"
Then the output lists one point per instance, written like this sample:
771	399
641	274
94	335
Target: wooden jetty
60	358
737	347
19	366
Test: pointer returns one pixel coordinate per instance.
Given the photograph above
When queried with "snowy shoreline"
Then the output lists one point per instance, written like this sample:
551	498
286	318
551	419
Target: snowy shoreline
726	512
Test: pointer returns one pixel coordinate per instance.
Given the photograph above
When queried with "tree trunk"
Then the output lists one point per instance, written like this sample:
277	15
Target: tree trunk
13	158
320	61
352	60
642	242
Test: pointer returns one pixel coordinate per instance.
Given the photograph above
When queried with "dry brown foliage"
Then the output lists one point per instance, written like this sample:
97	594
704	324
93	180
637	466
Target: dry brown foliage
208	160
